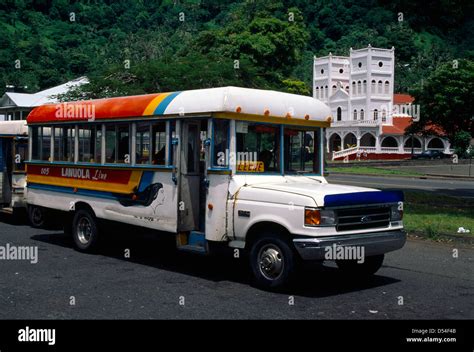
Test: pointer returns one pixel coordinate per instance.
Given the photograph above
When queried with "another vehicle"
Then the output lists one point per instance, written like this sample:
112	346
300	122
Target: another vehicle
213	167
430	154
13	154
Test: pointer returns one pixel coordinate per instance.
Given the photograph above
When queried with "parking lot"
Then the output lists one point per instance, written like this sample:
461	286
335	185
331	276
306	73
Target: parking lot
140	277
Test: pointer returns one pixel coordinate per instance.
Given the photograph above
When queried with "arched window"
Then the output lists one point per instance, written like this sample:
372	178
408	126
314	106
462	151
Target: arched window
347	89
380	88
327	92
334	88
354	88
361	114
376	114
317	93
416	143
339	114
359	88
387	87
435	143
355	114
389	142
350	140
364	87
384	116
367	140
373	86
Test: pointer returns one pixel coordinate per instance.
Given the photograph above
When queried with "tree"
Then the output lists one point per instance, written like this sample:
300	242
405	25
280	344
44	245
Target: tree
461	142
446	99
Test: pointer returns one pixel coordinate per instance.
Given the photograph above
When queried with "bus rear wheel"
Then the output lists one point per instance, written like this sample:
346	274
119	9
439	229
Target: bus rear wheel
36	216
85	231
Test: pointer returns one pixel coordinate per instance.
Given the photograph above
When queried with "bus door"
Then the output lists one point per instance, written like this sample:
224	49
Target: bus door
192	194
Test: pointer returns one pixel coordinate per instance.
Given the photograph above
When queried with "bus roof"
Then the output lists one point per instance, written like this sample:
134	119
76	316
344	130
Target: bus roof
13	128
230	102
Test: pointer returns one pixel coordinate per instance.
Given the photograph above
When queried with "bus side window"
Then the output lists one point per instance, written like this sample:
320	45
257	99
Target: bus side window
142	142
63	143
159	143
123	143
86	144
220	143
45	146
36	143
110	144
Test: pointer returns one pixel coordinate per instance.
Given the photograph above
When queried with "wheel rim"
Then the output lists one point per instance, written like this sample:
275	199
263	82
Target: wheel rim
84	230
270	261
37	216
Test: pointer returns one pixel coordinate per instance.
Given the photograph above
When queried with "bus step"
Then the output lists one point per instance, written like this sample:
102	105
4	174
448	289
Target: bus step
192	242
194	249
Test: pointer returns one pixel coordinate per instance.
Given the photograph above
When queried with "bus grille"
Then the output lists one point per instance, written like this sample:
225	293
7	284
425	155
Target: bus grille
362	218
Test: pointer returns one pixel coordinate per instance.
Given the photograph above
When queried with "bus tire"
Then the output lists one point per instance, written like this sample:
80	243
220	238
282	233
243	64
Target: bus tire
85	231
36	216
369	267
273	261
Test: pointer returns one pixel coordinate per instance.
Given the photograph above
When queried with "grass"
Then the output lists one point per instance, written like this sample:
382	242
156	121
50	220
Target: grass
433	215
367	170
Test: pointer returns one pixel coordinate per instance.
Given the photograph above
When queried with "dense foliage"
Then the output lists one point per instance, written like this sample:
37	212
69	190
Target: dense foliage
137	46
447	99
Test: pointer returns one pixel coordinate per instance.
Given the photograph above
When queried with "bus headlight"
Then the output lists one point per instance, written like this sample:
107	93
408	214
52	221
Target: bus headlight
396	213
319	217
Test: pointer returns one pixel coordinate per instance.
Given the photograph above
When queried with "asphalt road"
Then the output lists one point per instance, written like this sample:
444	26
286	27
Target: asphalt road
153	282
454	187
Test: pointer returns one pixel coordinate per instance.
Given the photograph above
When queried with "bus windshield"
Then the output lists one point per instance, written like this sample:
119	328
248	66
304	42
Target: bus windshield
302	150
258	149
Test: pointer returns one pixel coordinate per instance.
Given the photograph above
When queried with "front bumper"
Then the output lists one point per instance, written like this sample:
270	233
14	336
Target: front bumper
314	248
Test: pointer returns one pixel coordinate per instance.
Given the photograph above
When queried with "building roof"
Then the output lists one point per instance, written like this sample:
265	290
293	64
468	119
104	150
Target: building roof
26	100
400	124
265	104
402	98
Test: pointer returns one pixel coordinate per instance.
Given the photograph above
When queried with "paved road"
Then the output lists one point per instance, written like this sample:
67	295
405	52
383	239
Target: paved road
461	188
152	281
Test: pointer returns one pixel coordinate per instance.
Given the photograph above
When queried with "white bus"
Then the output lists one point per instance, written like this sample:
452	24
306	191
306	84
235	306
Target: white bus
236	167
13	154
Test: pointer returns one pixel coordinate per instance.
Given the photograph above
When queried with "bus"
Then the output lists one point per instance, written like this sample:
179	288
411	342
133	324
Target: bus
221	167
13	154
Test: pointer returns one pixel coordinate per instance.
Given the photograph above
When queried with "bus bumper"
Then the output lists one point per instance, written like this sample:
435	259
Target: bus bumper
374	243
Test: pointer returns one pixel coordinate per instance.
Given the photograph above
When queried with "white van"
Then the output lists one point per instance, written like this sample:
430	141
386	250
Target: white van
234	167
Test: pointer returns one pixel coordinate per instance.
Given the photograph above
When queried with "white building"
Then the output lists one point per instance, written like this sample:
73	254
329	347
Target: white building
16	106
368	119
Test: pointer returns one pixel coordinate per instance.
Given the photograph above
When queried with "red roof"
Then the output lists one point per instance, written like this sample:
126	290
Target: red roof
403	99
400	124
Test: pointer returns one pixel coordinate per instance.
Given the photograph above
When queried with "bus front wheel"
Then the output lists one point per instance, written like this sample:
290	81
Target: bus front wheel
273	261
85	231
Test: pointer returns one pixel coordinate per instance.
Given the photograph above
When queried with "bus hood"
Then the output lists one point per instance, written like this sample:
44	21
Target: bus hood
317	191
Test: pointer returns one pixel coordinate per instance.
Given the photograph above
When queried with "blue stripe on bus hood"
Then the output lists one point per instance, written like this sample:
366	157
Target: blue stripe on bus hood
358	198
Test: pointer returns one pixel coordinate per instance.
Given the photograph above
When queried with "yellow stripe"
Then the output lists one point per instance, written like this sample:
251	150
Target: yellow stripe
271	119
150	109
89	185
